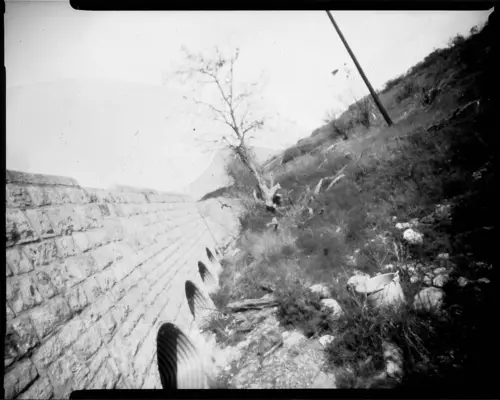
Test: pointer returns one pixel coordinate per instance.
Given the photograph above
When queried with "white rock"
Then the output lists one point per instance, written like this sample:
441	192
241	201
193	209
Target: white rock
332	305
413	236
414	279
429	299
322	290
410	268
443	210
439	271
292	338
393	357
440	280
443	256
483	280
357	280
414	222
326	339
324	381
462	281
390	267
403	225
428	280
351	260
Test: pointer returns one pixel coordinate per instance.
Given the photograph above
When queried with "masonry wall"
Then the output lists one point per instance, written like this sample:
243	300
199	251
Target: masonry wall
91	276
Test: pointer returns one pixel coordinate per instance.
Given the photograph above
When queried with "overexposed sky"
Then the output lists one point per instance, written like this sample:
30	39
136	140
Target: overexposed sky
91	94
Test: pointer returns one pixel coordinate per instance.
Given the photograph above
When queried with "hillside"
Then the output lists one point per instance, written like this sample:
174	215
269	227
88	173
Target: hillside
409	205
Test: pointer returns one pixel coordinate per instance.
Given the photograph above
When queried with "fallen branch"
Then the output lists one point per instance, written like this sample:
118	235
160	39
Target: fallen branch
338	178
318	186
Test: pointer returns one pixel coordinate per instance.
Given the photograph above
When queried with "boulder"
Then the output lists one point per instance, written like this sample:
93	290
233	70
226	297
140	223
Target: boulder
440	280
413	237
324	381
431	298
332	305
326	340
291	339
462	281
393	357
358	279
321	289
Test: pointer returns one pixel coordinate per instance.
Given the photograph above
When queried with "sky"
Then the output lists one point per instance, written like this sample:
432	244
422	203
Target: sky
93	95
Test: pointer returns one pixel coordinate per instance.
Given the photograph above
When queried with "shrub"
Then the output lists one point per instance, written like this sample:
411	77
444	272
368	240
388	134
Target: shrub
299	308
409	89
290	154
392	83
361	112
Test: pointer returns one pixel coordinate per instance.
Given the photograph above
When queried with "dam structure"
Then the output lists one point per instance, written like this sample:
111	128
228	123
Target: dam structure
105	289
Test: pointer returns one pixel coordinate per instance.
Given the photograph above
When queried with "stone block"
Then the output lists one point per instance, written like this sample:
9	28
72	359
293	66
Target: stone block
40	222
92	289
98	237
48	195
41	253
106	279
90	215
17	228
131	321
65	220
44	284
78	268
50	315
105	378
82	241
114	229
17	261
40	389
99	195
66	246
64	371
77	299
107	211
105	255
20	337
22	293
122	350
107	326
39	179
17	379
88	344
119	313
122	383
48	352
17	197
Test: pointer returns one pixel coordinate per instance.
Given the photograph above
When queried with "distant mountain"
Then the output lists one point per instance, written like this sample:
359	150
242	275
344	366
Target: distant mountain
214	176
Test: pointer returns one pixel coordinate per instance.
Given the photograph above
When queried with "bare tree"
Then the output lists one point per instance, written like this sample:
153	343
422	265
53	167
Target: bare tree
230	107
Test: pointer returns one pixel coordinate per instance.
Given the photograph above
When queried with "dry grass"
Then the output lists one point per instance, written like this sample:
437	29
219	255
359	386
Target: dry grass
401	171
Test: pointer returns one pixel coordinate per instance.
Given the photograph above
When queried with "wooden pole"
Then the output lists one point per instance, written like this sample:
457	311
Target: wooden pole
360	70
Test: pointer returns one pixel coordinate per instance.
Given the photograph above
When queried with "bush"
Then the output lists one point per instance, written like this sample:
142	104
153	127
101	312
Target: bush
290	154
300	308
409	89
360	112
392	83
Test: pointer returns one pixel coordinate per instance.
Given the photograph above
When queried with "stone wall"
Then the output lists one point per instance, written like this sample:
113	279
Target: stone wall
91	277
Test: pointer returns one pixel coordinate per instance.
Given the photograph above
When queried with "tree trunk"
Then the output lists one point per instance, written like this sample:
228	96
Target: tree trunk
266	192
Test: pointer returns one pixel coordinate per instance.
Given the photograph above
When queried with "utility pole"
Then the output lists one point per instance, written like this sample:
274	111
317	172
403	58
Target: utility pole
360	70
